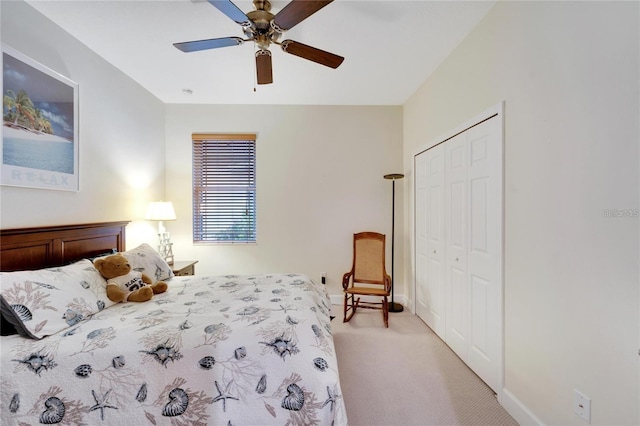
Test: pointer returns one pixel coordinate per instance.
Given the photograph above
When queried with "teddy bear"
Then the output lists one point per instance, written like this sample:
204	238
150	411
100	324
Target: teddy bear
125	284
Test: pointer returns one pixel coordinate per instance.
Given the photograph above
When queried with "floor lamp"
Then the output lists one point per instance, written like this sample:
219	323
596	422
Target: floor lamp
393	307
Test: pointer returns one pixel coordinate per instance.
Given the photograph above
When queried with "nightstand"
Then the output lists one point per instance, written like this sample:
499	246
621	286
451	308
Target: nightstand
182	268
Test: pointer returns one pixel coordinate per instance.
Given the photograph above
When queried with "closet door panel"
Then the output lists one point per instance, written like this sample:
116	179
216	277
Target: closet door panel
456	217
430	261
485	249
457	312
421	227
479	315
478	216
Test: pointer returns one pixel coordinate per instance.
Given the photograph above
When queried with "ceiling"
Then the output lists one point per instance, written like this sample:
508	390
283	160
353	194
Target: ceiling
390	47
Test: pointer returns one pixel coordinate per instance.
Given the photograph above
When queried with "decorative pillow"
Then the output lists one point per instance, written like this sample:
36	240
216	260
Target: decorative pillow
43	302
147	260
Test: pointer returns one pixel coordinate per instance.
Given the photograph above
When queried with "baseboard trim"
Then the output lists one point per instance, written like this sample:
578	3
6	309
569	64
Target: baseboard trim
518	410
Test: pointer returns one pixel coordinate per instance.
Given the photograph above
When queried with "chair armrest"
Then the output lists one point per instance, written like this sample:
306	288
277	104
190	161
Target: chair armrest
346	278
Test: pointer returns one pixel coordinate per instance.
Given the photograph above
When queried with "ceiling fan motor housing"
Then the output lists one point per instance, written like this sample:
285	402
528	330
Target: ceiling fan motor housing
262	30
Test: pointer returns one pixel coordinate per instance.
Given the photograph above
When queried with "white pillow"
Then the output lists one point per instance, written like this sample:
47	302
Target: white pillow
147	260
43	302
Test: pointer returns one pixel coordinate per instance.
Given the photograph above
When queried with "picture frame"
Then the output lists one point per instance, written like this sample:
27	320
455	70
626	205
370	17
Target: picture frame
40	142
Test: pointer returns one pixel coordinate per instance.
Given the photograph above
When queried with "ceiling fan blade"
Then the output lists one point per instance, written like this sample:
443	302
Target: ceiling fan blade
212	43
311	53
231	10
263	67
297	11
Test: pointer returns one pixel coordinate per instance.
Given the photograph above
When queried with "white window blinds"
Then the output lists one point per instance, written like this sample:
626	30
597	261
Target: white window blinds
224	188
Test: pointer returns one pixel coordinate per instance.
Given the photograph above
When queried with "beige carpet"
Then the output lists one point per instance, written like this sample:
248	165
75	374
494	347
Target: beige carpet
406	375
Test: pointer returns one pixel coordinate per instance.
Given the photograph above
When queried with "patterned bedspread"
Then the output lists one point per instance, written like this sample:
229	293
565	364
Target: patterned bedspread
223	350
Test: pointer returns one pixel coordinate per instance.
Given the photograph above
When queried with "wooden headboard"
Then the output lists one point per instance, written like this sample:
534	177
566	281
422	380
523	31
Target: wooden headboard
49	246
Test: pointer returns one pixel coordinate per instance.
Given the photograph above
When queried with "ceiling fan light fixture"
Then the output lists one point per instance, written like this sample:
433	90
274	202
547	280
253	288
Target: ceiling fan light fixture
262	41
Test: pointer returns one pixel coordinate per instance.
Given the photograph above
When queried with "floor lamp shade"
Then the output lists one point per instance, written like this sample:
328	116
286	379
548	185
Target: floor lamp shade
393	306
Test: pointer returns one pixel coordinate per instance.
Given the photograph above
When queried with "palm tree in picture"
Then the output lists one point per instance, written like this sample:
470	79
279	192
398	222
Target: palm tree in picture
43	125
21	106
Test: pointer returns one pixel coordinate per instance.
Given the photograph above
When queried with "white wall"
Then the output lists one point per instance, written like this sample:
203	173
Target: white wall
568	73
319	177
121	135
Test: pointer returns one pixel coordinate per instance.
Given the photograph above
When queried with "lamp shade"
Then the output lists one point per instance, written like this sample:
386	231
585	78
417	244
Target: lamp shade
160	210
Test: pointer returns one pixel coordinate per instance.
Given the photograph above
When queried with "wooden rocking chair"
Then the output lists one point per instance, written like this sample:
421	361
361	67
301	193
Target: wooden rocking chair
368	276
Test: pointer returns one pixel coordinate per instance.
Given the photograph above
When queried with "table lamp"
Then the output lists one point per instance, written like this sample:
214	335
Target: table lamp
161	211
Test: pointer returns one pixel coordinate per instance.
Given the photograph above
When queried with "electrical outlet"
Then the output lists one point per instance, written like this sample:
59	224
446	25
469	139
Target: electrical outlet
324	278
582	405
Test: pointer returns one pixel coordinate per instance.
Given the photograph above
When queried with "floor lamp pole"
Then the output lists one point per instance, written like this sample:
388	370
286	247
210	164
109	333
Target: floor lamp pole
393	307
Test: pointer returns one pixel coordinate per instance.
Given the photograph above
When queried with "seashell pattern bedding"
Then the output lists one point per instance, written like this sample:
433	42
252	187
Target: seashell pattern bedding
217	350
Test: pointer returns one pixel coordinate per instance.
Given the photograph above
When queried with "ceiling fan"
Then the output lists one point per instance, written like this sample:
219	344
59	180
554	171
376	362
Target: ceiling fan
263	28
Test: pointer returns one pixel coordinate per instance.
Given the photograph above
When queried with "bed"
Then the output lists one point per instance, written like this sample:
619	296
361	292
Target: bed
217	350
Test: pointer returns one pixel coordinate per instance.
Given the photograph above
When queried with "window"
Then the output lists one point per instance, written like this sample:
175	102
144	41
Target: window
224	188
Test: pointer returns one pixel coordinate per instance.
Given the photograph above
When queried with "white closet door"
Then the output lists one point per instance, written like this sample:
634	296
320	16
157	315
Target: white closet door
485	249
430	260
458	223
457	291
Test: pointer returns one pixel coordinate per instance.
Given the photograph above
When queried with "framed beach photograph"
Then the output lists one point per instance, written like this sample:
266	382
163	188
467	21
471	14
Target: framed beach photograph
39	125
